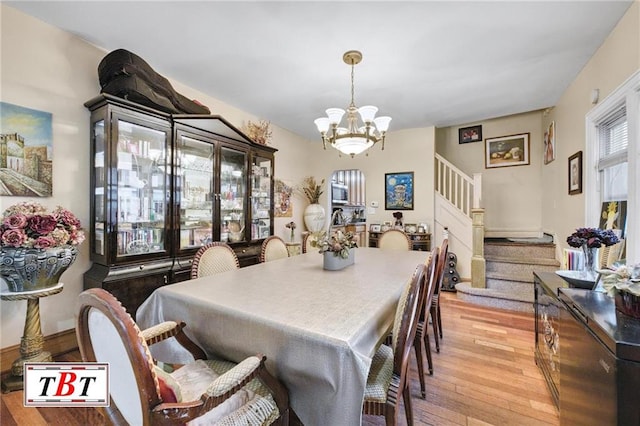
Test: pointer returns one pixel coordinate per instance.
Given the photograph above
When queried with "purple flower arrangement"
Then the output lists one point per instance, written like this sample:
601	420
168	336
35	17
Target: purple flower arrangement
29	225
592	237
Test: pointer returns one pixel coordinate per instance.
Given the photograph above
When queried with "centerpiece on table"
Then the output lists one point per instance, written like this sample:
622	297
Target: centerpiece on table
590	240
337	249
37	246
623	283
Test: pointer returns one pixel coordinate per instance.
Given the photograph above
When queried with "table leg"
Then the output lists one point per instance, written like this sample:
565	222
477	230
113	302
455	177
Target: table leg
31	345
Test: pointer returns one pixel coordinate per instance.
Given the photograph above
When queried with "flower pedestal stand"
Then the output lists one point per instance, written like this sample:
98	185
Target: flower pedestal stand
31	343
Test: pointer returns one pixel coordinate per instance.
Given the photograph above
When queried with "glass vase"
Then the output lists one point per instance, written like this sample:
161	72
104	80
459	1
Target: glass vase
590	256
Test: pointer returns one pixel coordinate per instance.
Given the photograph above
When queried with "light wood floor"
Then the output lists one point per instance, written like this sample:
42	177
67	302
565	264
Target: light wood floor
485	374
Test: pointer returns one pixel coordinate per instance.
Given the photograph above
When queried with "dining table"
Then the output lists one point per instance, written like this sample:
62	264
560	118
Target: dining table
319	329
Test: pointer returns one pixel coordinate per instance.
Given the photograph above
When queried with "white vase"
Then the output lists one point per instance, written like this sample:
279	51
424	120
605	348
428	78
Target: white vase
331	262
314	217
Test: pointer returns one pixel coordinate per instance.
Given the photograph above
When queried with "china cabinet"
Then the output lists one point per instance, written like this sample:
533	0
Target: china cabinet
164	185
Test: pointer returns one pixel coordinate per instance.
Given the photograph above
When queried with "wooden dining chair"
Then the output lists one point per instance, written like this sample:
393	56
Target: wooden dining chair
142	393
387	383
273	248
214	258
421	341
394	239
436	318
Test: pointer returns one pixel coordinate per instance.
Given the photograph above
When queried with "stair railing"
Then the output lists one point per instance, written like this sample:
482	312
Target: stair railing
461	190
465	193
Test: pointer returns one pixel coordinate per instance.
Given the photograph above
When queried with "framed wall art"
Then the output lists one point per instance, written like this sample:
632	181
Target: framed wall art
550	143
469	134
26	148
575	173
398	191
506	151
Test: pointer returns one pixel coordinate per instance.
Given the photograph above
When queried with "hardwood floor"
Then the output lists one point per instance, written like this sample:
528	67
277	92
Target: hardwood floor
485	374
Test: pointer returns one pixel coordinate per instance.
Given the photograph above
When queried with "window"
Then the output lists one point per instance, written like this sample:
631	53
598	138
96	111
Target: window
613	142
612	159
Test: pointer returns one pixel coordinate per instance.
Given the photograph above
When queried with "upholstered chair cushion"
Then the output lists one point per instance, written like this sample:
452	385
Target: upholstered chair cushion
273	248
251	405
170	390
379	375
214	258
394	239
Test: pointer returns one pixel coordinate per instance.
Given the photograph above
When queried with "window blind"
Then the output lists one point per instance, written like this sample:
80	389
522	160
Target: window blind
613	139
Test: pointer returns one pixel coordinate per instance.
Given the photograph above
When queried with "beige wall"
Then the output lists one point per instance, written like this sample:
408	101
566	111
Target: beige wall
615	61
409	150
511	196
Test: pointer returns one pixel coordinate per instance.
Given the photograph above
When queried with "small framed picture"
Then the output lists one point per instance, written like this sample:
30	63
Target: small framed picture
575	173
469	134
550	143
375	227
505	151
410	228
398	193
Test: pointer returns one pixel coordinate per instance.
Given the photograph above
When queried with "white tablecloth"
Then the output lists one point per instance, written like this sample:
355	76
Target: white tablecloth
318	329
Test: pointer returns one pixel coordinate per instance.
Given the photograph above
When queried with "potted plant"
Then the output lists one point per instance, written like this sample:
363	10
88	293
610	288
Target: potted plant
336	249
37	246
314	214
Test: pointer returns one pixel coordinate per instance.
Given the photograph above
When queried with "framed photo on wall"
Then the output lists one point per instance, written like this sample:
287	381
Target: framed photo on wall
506	151
398	191
550	143
575	173
470	134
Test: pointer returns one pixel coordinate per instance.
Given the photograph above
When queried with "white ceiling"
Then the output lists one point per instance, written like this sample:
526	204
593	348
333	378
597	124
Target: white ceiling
425	63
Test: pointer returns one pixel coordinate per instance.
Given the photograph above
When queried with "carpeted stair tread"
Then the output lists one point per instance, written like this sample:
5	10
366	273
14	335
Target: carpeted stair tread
510	277
512	300
522	260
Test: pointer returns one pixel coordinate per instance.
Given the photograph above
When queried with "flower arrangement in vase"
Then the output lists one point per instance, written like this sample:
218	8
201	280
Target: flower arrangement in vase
37	246
336	249
292	226
314	215
590	239
311	189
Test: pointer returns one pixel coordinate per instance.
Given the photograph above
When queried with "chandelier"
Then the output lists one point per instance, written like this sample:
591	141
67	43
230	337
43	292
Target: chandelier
355	138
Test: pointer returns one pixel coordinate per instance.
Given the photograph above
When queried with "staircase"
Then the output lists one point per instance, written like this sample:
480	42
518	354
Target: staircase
509	272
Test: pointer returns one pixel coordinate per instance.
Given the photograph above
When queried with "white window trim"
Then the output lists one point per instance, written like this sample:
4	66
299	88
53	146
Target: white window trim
628	93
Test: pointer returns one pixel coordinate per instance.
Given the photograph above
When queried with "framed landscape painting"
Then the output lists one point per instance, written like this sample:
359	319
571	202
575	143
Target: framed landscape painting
26	157
506	151
398	191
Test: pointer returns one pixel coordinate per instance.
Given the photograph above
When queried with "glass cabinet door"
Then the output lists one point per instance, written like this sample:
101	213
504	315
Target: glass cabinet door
260	197
233	182
194	172
142	192
99	178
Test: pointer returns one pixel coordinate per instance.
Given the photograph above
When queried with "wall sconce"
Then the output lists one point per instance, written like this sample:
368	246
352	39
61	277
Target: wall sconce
595	96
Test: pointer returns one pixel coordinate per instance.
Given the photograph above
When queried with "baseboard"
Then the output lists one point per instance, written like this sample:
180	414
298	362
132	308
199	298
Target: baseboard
56	344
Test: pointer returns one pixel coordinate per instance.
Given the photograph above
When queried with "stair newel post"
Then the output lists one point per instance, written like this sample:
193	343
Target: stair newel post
477	190
478	263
